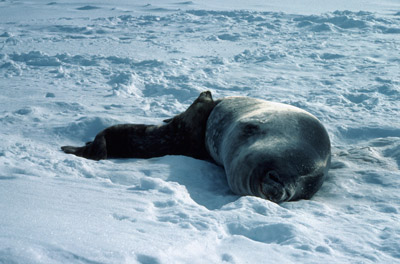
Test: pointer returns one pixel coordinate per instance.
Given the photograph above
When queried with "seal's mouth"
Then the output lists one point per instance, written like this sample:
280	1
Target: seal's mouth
272	188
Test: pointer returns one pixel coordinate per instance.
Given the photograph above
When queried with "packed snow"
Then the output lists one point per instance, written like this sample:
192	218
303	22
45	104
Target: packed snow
68	69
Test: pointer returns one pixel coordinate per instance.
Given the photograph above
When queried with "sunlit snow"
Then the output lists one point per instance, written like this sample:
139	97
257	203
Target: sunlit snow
68	69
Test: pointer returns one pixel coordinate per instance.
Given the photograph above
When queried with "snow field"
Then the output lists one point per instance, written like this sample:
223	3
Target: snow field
68	70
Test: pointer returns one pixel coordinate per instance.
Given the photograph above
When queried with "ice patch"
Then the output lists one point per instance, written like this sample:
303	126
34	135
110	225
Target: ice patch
88	7
145	259
6	35
119	60
185	3
363	133
72	29
148	64
229	37
24	111
331	56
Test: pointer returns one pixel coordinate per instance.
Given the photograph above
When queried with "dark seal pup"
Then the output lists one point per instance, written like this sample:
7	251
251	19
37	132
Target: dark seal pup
270	150
182	135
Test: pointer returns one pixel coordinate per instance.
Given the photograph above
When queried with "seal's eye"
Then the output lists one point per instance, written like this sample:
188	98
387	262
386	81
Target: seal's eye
250	129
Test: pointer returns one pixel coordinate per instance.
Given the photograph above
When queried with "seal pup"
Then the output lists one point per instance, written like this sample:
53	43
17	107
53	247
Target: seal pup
183	134
270	150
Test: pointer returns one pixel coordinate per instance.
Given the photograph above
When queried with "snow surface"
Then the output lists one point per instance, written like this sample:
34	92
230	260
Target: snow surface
71	68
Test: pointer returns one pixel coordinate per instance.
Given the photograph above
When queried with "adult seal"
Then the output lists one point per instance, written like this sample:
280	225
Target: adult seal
183	134
270	150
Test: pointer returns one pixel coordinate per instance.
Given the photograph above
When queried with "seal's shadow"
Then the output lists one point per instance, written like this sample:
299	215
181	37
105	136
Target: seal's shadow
205	182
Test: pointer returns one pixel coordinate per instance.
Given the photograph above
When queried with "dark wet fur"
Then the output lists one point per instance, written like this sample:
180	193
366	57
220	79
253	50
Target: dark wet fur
182	135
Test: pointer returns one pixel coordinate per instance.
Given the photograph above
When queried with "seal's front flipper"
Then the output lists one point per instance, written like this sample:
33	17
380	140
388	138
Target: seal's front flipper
168	120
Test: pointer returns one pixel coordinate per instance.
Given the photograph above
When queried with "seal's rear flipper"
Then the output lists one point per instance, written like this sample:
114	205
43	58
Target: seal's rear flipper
95	150
72	150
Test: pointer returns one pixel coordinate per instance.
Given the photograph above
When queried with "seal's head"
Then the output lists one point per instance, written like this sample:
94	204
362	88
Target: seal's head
202	106
198	111
294	177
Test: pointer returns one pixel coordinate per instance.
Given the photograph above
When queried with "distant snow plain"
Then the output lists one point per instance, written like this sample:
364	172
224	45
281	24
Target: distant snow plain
68	69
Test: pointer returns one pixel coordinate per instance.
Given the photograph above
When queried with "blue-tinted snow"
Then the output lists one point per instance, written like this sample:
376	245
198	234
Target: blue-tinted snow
68	70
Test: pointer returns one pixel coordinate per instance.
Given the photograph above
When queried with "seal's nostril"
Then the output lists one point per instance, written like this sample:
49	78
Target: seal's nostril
274	176
272	188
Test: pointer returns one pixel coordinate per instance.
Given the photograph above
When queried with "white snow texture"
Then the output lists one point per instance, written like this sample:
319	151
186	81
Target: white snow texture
68	69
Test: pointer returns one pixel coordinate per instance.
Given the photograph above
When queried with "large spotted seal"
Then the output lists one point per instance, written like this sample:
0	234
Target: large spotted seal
271	150
182	135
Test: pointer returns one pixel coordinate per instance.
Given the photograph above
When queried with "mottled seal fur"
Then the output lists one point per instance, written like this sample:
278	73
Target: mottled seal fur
182	135
270	150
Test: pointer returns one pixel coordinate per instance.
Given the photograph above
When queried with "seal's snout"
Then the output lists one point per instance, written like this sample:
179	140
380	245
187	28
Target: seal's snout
273	176
272	188
206	94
